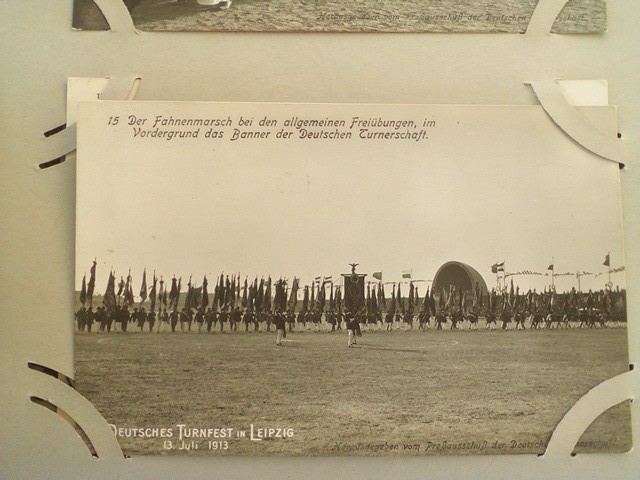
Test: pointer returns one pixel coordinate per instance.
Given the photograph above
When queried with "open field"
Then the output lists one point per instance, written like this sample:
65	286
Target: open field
393	390
578	16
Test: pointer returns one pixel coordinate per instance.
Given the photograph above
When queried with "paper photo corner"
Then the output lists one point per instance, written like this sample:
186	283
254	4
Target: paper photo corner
563	100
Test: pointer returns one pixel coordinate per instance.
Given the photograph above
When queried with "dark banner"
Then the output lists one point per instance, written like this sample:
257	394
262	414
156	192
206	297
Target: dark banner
353	291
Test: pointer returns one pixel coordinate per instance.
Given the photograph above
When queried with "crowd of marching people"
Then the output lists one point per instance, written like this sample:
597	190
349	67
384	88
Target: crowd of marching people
265	306
245	320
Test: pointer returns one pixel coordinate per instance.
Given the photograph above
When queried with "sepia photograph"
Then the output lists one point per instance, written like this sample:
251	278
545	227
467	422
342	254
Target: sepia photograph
345	279
479	16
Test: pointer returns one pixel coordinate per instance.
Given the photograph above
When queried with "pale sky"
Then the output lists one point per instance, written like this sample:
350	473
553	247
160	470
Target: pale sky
491	184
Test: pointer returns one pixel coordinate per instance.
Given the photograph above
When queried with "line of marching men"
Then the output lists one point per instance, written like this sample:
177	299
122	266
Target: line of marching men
237	319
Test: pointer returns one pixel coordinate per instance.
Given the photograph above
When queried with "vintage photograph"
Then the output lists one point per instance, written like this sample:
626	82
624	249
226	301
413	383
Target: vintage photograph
345	279
480	16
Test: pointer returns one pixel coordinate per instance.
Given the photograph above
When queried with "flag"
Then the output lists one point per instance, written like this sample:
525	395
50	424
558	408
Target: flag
232	290
411	294
109	299
267	295
173	294
392	303
332	303
377	275
321	297
406	274
305	299
245	293
83	291
432	302
152	293
251	296
205	294
260	295
425	302
128	291
497	267
196	297
92	283
162	294
382	301
121	287
607	260
399	300
293	297
143	287
280	296
178	292
550	267
374	297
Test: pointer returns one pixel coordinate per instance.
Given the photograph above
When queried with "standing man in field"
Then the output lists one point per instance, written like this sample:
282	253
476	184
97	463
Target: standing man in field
123	318
81	316
185	319
142	316
173	319
151	319
505	318
352	328
490	321
164	318
279	322
208	318
247	318
199	319
235	318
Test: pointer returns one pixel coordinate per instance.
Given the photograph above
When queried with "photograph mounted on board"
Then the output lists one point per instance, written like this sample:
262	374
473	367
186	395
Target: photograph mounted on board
479	16
345	279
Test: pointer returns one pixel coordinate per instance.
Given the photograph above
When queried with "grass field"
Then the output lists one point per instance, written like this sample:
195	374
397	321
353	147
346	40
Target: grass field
395	389
578	16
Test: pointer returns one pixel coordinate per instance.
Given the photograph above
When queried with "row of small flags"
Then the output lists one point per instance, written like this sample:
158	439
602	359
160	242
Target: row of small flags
499	267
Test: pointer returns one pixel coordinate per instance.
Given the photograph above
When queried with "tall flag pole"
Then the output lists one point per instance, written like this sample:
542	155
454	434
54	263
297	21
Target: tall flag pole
178	292
83	290
552	268
128	291
163	293
293	295
92	283
245	293
121	286
173	294
204	302
109	299
607	263
497	268
143	287
152	293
